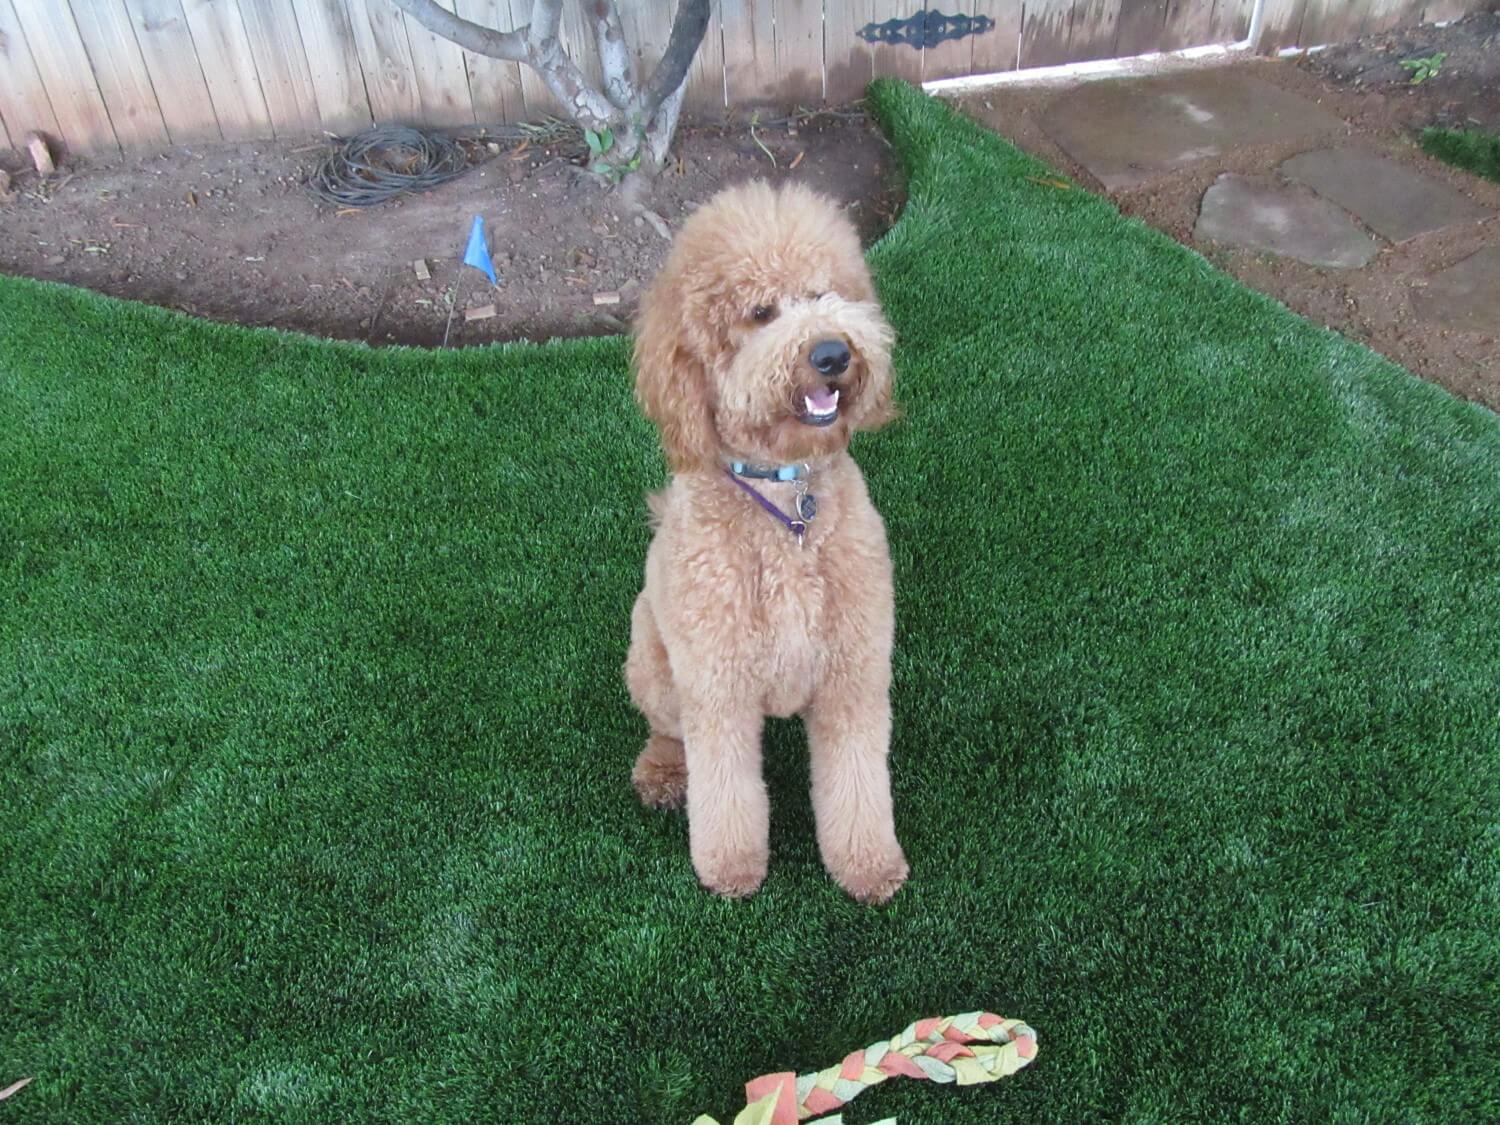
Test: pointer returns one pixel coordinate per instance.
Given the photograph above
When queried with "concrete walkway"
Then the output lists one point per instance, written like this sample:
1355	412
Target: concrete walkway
1329	205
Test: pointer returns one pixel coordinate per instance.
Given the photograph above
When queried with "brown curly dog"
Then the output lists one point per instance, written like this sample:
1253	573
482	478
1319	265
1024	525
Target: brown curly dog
760	349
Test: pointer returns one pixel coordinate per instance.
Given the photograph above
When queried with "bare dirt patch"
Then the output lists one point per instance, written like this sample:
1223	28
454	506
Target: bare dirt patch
230	232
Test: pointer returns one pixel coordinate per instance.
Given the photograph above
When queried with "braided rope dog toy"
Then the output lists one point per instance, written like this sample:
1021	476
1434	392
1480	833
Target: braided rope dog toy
967	1050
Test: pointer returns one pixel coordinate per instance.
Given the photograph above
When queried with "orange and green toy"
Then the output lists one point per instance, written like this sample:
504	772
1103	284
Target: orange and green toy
966	1050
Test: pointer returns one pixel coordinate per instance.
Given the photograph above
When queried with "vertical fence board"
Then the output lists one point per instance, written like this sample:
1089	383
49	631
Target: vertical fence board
954	57
998	49
1280	22
333	64
228	67
799	51
1142	23
104	27
899	61
705	92
63	66
23	101
442	80
539	100
1439	11
380	43
1094	26
285	83
166	45
1331	21
1044	32
1189	23
494	84
850	63
1230	22
749	52
1386	14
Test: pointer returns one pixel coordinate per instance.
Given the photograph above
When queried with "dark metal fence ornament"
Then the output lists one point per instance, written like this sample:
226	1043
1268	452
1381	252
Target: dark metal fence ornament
925	29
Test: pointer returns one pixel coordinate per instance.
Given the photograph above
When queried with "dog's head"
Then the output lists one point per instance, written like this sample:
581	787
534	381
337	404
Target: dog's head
761	338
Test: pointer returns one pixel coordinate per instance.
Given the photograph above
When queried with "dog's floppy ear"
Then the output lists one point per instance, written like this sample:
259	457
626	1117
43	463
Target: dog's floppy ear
670	382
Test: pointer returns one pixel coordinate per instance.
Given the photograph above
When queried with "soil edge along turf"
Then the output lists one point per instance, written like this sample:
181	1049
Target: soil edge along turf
314	753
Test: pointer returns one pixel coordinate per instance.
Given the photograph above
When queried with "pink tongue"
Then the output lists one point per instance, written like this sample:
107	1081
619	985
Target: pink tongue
823	401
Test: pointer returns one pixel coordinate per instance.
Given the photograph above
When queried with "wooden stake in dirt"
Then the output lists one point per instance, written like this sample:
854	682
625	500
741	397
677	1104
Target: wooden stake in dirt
479	312
419	267
608	297
41	155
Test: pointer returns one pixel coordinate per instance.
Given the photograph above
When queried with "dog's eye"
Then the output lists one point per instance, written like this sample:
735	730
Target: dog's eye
762	313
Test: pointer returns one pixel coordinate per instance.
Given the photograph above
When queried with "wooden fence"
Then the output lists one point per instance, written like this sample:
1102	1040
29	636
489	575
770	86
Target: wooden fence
142	74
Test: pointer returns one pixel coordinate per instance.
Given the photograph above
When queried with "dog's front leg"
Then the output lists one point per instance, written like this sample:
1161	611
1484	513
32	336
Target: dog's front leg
848	737
729	813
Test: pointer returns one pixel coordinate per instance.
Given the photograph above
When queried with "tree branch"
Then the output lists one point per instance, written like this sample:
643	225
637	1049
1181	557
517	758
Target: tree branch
546	15
467	34
614	52
687	34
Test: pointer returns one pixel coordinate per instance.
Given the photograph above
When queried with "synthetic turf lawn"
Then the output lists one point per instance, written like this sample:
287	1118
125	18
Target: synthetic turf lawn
1470	149
314	750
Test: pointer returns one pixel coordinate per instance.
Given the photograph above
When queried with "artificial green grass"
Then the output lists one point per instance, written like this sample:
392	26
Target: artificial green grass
314	750
1470	149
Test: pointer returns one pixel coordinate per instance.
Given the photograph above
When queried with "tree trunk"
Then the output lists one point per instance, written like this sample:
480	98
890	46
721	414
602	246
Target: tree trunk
638	122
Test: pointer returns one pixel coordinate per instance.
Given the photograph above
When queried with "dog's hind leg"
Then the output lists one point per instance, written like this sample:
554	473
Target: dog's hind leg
660	774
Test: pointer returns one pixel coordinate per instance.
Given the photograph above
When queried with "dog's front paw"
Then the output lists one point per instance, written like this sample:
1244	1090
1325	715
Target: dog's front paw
660	774
872	876
732	875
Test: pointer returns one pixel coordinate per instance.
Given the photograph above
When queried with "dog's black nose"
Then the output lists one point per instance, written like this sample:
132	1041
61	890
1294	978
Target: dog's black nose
830	358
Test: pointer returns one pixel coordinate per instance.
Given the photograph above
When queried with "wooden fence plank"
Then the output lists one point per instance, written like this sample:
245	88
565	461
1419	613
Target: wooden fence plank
1093	29
1044	32
494	84
1439	11
952	58
384	52
539	100
281	62
1331	21
1386	14
705	92
228	67
998	49
1230	22
1141	25
166	45
68	77
1281	21
898	61
577	35
333	65
799	52
749	52
23	100
647	25
1188	23
850	63
442	80
125	85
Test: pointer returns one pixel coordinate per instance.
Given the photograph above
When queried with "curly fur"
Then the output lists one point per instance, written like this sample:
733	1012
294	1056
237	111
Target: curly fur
736	621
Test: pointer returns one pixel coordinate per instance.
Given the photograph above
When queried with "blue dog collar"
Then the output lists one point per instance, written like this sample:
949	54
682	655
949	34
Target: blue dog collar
768	472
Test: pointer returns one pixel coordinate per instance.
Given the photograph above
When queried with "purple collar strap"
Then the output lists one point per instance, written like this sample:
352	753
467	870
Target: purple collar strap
797	526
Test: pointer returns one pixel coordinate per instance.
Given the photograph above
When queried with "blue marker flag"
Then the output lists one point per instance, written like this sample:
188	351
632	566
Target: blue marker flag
477	254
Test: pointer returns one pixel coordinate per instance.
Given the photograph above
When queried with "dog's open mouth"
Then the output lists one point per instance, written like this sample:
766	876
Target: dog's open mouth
820	407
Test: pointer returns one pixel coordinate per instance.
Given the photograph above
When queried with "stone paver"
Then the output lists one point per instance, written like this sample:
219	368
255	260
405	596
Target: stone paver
1466	295
1391	199
1292	222
1129	131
